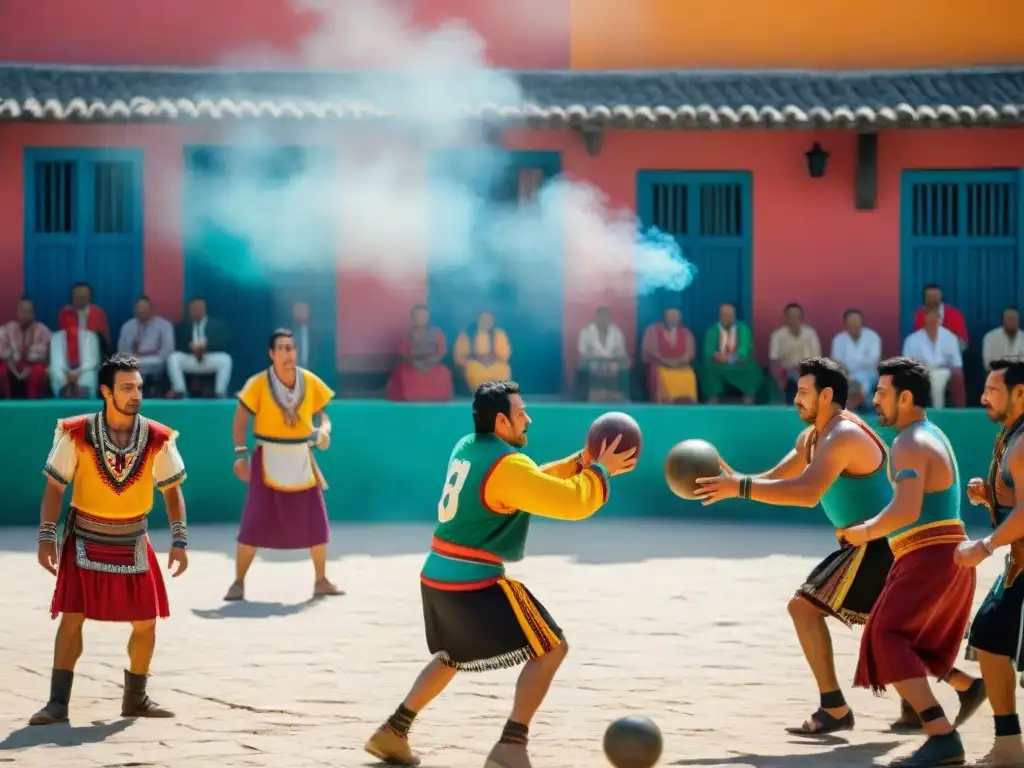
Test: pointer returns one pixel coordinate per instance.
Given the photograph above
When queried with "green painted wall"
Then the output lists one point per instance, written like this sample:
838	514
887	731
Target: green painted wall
387	461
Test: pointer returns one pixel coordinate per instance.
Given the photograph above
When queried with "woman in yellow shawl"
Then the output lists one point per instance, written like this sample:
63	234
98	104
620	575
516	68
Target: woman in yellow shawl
482	352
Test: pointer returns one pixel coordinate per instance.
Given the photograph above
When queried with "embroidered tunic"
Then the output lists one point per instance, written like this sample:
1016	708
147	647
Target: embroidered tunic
111	482
283	426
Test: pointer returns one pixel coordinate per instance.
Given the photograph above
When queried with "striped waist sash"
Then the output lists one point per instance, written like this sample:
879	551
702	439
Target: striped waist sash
465	554
928	535
107	531
458	567
109	545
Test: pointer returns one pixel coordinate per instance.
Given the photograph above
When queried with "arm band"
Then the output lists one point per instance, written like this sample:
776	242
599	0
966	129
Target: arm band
906	474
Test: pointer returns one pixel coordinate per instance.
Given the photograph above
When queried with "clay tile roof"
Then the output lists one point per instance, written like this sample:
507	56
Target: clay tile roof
676	99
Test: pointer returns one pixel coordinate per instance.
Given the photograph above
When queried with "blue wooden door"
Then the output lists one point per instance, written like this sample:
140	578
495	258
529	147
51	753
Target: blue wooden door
475	270
83	223
253	246
709	215
962	231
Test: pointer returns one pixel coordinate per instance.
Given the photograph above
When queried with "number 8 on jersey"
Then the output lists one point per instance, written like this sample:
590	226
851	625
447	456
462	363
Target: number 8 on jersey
448	506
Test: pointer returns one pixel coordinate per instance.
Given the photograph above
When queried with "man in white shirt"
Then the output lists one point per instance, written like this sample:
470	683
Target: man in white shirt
859	351
201	343
75	364
1004	341
604	361
939	349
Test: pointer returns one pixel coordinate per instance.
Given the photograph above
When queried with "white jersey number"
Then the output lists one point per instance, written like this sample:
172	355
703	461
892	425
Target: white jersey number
448	506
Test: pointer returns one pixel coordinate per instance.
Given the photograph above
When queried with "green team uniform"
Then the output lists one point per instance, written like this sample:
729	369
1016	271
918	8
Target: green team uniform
475	617
463	519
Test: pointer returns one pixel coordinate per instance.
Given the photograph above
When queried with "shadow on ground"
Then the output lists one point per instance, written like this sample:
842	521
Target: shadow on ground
63	734
843	755
247	609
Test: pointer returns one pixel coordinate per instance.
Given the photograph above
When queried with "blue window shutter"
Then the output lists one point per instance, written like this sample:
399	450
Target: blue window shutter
112	230
83	222
709	214
961	230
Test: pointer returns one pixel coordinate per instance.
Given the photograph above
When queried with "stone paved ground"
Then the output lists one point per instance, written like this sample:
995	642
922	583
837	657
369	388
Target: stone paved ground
683	622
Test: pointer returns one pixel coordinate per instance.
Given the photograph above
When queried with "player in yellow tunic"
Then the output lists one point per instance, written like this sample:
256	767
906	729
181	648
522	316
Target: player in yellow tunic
106	569
284	505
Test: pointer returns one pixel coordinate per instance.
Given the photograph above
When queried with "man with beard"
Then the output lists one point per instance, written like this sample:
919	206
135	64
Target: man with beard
918	623
106	570
840	462
476	618
995	634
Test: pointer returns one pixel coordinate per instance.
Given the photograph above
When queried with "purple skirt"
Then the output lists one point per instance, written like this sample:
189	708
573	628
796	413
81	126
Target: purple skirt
275	519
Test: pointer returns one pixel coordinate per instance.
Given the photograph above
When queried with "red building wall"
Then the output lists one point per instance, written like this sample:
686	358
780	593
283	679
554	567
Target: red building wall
525	34
809	242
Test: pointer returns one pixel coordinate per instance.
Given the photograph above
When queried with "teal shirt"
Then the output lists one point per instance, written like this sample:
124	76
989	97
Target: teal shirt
937	505
851	499
466	522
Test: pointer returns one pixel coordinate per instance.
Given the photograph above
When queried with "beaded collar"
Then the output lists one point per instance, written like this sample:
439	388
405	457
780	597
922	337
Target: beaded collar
119	466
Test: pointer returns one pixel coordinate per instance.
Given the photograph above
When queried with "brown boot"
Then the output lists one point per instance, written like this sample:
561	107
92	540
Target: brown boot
391	748
508	756
56	709
135	702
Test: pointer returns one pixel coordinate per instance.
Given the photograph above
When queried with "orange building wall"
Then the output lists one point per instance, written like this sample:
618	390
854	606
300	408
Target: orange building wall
826	34
544	34
809	243
526	34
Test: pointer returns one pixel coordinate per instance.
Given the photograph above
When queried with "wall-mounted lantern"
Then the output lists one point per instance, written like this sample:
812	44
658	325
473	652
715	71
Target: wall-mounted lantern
817	161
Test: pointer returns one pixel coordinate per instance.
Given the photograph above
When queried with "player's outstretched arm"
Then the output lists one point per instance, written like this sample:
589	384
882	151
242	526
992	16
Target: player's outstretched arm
516	482
807	487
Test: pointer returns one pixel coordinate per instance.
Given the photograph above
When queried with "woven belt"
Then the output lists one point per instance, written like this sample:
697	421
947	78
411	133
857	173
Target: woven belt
928	535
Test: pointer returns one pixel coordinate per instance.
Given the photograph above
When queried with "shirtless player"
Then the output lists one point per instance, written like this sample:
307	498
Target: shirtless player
476	618
839	462
996	630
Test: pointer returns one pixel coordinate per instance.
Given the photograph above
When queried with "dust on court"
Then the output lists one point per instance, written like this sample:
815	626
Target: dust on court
685	622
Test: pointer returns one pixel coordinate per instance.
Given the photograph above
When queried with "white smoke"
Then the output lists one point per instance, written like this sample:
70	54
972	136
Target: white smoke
393	192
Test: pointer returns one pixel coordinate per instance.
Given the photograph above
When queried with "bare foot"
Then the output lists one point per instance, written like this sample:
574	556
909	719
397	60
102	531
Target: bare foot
324	588
236	591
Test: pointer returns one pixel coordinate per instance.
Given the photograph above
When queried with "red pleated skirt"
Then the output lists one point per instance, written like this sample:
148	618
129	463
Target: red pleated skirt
109	596
917	625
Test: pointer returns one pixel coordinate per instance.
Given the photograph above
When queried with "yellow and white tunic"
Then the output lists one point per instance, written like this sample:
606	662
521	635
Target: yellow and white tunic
283	427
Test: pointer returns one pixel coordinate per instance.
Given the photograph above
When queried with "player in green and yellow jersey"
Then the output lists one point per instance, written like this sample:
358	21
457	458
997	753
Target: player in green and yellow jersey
476	618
